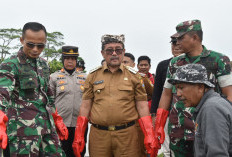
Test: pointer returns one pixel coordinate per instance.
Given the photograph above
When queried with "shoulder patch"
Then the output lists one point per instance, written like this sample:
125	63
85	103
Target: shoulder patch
94	69
131	69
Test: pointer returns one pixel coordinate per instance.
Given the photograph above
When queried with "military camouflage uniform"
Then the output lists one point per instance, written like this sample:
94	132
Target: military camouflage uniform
25	97
181	125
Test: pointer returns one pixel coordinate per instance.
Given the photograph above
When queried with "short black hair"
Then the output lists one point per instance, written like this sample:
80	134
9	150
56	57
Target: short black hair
127	54
144	58
199	33
34	26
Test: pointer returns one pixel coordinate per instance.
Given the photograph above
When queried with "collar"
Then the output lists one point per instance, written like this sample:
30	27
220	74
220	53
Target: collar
203	99
121	68
23	59
64	71
149	75
204	53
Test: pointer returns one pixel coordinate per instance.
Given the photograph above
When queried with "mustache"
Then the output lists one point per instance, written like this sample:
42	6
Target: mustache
114	57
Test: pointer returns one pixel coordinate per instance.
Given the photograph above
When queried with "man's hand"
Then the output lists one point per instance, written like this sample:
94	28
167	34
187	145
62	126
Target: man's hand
148	131
3	135
79	141
161	118
61	129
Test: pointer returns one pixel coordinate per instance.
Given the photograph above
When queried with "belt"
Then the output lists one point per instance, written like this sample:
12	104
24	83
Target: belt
114	127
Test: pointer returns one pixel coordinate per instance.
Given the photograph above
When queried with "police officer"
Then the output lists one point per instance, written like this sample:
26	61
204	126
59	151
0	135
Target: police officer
67	85
26	100
114	98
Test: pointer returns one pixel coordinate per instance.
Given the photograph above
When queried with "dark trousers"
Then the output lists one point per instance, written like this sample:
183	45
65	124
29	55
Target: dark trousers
67	144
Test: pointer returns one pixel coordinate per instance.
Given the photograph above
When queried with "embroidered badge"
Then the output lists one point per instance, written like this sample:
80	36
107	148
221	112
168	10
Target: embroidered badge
61	82
142	83
81	82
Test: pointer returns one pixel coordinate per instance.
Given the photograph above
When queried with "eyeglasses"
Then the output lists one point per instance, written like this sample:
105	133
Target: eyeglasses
111	51
32	45
174	42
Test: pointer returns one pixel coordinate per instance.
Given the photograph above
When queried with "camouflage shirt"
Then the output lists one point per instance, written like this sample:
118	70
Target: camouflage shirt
181	125
25	95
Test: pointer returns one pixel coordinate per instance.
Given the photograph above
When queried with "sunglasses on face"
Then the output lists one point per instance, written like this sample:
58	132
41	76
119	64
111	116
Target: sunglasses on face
111	51
32	45
174	42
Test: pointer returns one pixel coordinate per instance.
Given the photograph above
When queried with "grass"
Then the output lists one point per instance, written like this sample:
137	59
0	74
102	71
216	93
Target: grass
161	155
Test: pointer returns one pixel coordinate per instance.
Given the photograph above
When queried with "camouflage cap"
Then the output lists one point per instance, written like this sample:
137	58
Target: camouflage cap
191	73
70	51
187	26
107	38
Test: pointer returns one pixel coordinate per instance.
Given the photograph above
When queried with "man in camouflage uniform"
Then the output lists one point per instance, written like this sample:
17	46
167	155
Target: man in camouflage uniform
181	125
26	100
67	86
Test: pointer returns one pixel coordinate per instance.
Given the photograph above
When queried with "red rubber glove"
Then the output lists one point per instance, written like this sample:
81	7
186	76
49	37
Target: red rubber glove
79	141
148	131
161	118
3	135
61	129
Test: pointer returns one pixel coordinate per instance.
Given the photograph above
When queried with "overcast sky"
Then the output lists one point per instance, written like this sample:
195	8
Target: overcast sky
147	24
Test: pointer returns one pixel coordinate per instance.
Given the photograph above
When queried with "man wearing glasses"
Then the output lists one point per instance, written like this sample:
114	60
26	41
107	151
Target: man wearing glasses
114	98
26	100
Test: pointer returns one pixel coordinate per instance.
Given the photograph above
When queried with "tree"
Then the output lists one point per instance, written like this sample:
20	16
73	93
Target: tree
7	38
55	65
54	43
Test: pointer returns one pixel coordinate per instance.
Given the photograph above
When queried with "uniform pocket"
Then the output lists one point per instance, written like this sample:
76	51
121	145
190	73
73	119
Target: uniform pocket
99	92
98	88
62	87
126	92
29	84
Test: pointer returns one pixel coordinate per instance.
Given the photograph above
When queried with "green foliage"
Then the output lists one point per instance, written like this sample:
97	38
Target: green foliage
8	41
55	65
161	155
53	45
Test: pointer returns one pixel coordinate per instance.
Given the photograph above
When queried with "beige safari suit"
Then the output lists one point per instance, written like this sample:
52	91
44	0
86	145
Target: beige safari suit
114	96
68	90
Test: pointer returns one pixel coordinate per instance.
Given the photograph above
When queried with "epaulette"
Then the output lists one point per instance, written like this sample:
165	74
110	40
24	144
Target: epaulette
131	69
94	69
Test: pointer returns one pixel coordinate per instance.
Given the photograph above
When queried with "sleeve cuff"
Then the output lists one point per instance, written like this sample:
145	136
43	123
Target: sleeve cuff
167	84
225	80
